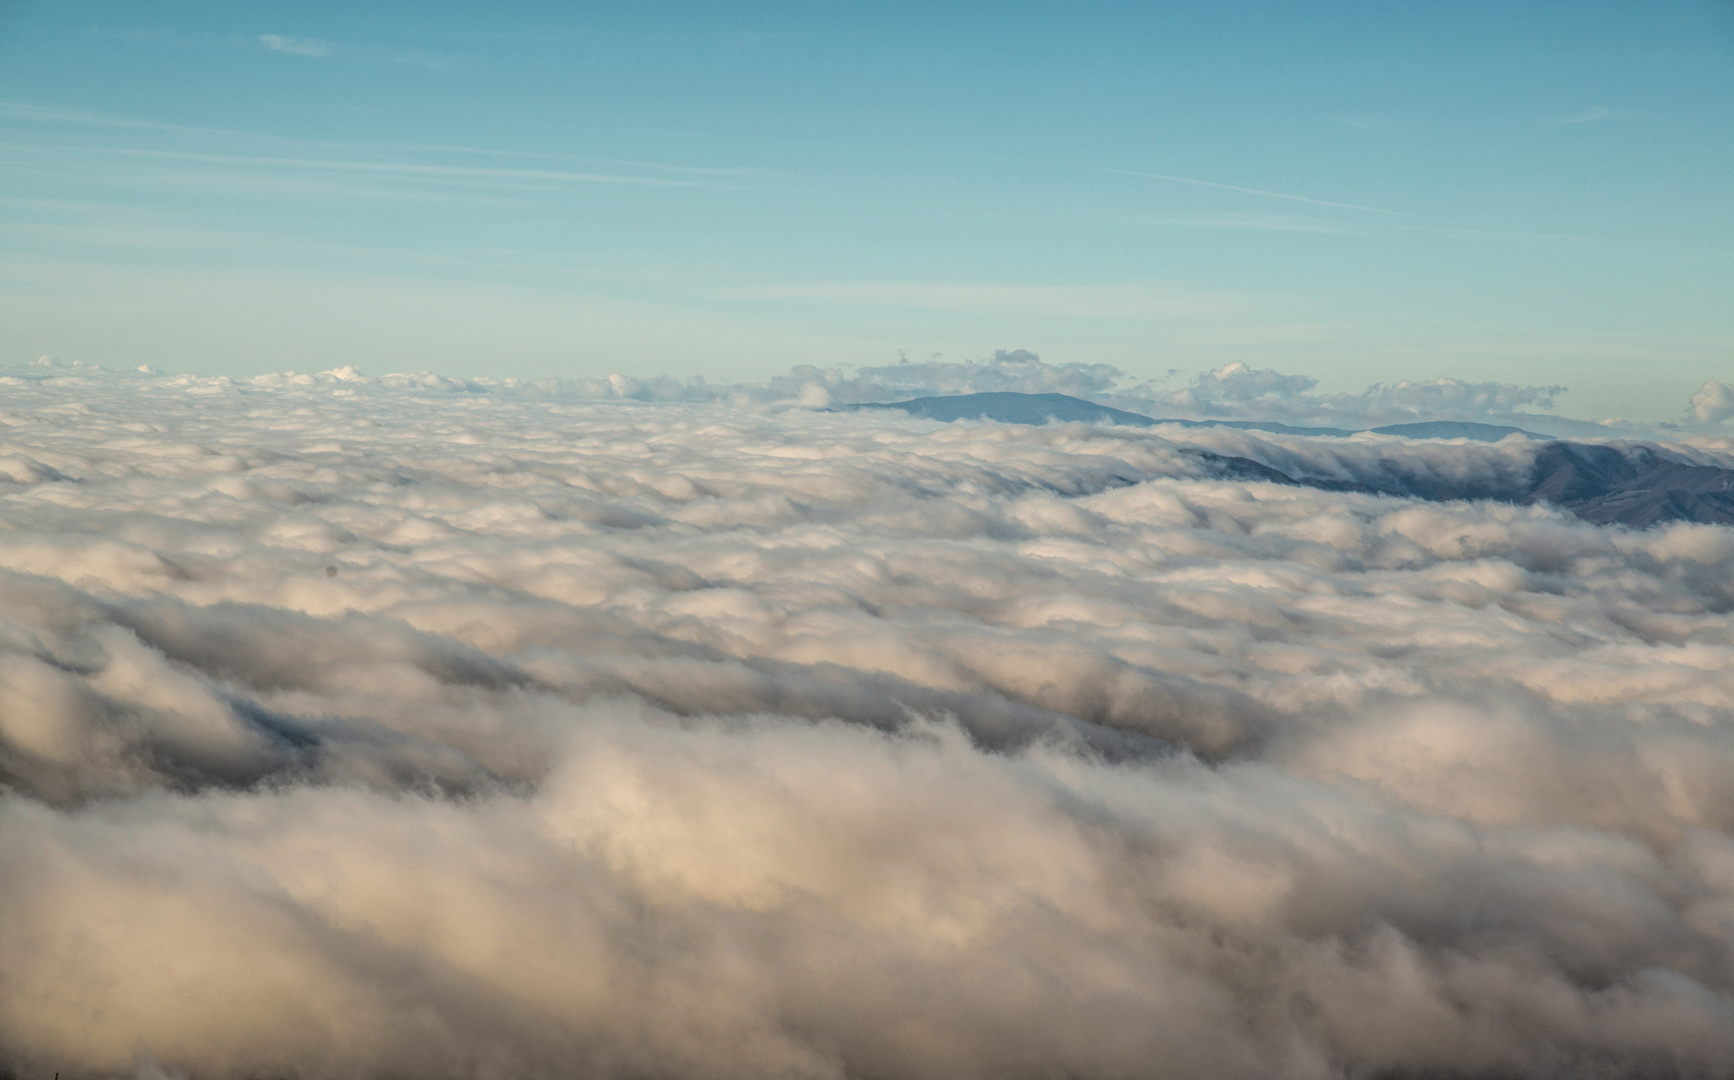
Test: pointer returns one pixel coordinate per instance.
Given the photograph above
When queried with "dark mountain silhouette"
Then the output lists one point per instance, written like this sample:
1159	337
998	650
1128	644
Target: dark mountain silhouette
1014	408
1454	429
1631	486
1011	408
1626	485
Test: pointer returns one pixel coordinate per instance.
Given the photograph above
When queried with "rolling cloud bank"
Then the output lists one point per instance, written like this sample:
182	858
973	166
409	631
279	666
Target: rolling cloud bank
409	726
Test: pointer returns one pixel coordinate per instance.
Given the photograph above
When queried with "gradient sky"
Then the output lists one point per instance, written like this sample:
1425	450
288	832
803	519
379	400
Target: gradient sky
1537	193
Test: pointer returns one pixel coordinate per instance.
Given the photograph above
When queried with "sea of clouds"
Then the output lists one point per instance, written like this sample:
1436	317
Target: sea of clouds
419	727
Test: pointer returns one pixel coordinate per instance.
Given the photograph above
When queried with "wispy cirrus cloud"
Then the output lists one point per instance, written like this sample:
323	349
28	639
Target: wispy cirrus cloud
1258	192
54	114
298	46
320	48
404	169
1296	223
49	115
1591	115
138	161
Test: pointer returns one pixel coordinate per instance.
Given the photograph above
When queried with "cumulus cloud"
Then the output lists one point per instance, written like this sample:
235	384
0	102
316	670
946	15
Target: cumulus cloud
1233	391
1713	403
357	725
1016	370
1239	391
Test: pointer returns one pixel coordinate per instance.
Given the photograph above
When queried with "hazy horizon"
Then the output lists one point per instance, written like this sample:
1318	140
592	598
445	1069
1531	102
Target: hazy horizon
1524	194
1235	391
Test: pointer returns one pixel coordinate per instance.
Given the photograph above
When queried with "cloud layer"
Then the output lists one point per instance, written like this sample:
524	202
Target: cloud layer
1234	391
363	727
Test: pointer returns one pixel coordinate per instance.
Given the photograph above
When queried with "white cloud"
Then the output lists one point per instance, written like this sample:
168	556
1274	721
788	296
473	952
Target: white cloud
1240	391
1258	192
1713	402
298	46
1233	391
431	726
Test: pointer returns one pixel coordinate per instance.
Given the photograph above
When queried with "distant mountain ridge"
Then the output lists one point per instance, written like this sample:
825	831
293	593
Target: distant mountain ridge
1010	407
1638	486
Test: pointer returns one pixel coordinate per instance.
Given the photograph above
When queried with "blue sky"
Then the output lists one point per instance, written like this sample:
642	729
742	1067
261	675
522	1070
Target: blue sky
1534	193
